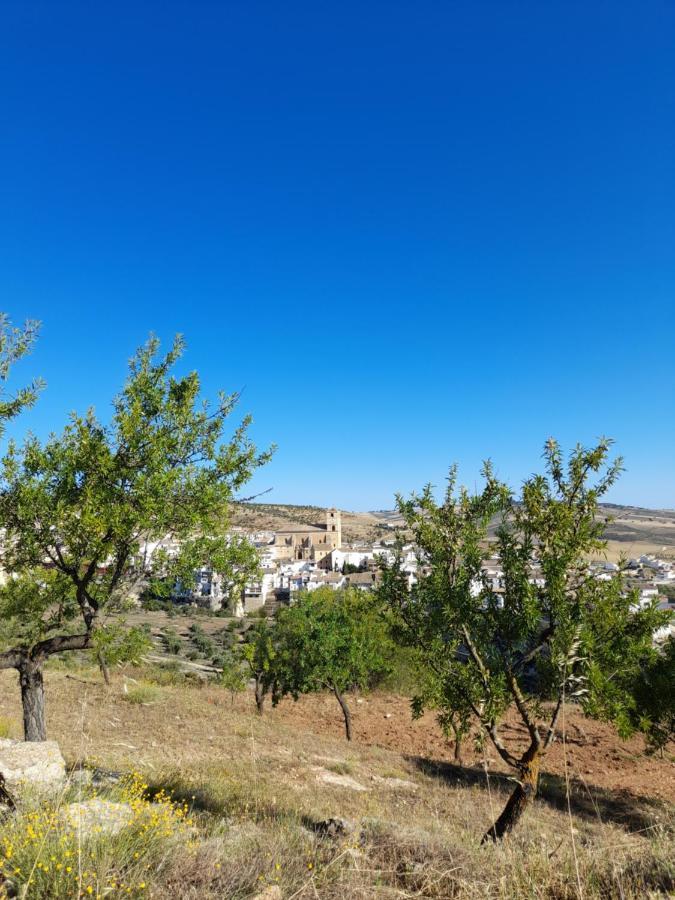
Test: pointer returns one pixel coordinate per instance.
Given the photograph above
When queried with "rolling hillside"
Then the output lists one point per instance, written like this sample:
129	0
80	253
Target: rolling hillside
633	530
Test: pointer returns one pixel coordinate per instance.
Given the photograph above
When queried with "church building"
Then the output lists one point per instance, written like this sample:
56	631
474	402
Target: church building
310	542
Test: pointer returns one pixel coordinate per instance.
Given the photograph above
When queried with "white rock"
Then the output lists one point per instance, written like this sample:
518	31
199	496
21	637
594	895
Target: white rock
29	765
272	892
338	780
98	816
391	782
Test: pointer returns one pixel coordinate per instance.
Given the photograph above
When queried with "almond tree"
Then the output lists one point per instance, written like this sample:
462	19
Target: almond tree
258	652
94	515
555	630
329	640
15	343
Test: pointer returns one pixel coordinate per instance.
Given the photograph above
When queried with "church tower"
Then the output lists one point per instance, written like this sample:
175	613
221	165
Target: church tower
334	527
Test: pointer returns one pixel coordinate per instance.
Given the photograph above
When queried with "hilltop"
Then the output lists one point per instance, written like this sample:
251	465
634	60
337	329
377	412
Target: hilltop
356	526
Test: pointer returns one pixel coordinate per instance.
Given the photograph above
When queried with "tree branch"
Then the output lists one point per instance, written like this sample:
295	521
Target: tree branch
475	656
530	655
508	757
10	659
60	643
521	705
550	734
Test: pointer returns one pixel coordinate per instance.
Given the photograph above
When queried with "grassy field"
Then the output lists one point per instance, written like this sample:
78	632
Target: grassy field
249	795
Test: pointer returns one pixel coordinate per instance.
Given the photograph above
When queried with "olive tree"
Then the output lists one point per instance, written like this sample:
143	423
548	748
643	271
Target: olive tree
95	514
329	640
552	631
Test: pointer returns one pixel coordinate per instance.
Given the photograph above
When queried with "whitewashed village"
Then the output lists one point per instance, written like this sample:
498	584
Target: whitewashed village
306	557
301	557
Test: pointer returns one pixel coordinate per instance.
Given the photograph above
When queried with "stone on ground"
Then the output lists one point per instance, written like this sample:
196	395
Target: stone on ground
343	781
98	816
29	766
272	892
334	827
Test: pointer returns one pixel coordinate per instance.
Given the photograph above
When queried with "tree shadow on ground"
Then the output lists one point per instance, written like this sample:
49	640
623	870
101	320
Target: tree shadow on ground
231	805
632	812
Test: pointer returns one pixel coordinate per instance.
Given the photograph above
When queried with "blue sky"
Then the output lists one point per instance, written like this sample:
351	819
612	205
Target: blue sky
413	233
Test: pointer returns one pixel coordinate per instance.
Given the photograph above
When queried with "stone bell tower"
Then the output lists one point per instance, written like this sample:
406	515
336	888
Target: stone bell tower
334	527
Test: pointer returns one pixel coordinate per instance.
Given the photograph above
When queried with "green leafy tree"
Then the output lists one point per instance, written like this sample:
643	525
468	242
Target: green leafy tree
554	630
15	343
113	643
330	640
258	654
652	696
95	515
232	676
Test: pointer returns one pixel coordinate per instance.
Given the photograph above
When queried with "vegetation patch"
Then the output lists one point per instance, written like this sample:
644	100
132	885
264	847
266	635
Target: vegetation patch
46	853
143	693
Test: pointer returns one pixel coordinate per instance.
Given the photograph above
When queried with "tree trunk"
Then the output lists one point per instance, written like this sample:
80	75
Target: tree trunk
458	743
526	790
33	700
259	696
103	666
345	712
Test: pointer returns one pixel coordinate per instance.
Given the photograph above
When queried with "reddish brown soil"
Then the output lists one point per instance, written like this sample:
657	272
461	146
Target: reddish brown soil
595	755
596	758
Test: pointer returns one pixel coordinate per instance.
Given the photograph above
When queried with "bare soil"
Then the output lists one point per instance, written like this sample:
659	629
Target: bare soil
595	755
85	716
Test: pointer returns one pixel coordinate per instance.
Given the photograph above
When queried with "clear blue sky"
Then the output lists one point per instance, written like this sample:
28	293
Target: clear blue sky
415	233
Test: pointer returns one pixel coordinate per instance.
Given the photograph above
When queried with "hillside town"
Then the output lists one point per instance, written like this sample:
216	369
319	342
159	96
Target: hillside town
301	557
306	557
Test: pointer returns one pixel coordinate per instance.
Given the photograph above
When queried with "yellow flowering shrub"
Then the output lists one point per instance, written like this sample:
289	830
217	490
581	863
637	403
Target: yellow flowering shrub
43	849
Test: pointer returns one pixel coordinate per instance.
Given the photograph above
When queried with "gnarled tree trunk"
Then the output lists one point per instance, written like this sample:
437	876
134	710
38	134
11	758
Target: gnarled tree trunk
29	664
345	712
524	793
33	701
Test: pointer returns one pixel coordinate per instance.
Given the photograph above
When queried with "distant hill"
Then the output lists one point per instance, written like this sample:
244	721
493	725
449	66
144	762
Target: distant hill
638	525
634	530
356	526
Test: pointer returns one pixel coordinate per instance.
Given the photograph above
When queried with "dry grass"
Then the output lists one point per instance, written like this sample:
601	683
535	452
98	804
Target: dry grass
45	853
7	728
257	788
